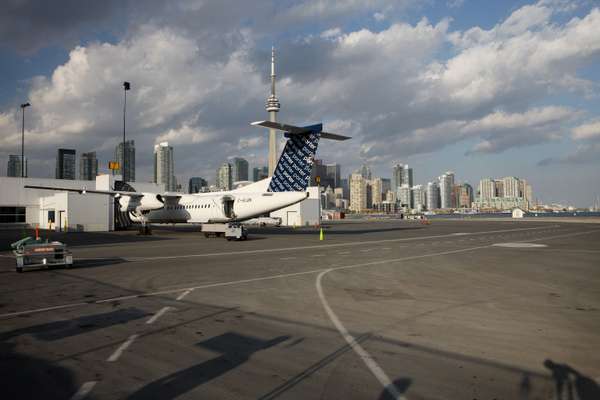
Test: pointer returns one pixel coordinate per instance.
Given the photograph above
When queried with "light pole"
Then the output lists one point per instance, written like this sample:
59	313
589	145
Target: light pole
23	139
126	87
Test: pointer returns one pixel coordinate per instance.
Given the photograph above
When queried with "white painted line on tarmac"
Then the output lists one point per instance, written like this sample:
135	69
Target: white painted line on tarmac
115	356
158	315
84	390
182	295
287	258
343	252
369	361
317	255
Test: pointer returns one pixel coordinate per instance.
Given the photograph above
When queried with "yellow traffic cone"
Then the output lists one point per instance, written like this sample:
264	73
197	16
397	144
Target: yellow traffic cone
321	236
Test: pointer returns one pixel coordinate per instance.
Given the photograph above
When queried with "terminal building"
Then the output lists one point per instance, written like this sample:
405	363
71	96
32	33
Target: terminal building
58	210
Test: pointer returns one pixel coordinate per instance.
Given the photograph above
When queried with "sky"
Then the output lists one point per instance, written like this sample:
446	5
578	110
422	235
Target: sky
484	89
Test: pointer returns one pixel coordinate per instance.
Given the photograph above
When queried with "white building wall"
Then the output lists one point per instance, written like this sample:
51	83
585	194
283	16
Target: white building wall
307	212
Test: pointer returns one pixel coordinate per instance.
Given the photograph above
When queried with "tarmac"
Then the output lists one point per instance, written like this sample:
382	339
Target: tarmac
377	310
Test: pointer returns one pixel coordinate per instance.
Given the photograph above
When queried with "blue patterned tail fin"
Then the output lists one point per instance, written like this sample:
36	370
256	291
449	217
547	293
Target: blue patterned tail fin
292	173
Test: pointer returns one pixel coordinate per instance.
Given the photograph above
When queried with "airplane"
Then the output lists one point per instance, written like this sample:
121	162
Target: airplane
286	187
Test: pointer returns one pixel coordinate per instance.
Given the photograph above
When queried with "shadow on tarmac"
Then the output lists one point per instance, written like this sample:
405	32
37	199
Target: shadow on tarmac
26	377
58	330
568	381
235	350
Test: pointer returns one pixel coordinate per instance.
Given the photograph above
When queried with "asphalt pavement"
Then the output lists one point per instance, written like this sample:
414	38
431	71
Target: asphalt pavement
377	310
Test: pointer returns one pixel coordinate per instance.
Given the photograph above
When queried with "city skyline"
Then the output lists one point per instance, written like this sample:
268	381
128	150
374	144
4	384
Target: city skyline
463	105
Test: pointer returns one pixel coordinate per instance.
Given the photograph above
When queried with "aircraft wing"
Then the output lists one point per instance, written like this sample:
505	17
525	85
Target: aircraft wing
297	129
83	191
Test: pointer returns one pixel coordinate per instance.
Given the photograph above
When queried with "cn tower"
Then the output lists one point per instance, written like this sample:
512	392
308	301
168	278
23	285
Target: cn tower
272	108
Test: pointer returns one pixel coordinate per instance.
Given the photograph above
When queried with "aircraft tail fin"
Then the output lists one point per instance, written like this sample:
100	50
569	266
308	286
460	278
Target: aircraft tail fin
292	173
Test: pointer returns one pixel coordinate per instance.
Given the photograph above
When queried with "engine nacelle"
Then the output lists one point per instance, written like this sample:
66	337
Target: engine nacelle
148	202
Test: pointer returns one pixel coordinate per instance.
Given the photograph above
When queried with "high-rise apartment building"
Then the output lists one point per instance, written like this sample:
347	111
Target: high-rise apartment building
88	166
14	166
433	196
333	172
407	176
164	166
358	193
446	186
487	188
511	187
224	177
197	184
126	162
260	173
405	197
386	185
65	164
376	191
239	169
397	174
465	196
419	198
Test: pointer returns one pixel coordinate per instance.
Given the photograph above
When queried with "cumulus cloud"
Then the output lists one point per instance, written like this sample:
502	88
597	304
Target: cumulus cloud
589	130
199	76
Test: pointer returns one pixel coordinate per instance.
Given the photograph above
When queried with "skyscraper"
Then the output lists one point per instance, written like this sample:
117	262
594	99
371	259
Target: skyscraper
260	173
465	196
358	193
14	166
239	170
419	197
446	185
386	185
224	180
433	196
65	164
333	172
164	166
127	165
404	195
376	191
397	174
88	166
407	176
196	184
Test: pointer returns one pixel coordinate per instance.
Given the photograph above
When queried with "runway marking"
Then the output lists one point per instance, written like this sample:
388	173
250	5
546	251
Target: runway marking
158	315
84	390
344	252
250	280
319	246
115	356
369	361
287	258
519	245
317	255
182	295
385	248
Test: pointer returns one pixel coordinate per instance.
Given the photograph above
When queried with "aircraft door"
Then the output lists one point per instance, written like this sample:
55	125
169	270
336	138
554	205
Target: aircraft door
228	207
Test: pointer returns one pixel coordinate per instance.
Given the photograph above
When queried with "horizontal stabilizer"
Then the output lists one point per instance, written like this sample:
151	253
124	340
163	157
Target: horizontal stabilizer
298	130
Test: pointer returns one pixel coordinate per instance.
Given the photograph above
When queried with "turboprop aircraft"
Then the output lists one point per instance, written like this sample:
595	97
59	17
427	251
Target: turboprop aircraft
286	187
